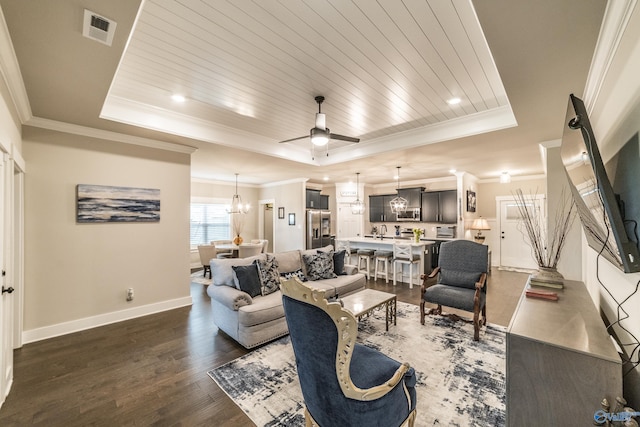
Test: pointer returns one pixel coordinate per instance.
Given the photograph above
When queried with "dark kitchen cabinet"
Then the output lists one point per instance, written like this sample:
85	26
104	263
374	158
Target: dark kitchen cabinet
380	209
315	200
413	196
440	206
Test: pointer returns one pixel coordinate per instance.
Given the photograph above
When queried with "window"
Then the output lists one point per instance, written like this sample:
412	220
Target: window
209	221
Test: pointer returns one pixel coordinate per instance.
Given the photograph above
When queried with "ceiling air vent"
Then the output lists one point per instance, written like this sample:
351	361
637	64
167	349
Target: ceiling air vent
98	27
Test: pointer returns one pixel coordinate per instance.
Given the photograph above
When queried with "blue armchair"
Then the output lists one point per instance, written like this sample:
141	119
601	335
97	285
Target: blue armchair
343	383
462	279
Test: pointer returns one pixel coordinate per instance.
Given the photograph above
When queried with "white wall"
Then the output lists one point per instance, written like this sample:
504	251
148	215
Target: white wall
615	117
76	275
291	196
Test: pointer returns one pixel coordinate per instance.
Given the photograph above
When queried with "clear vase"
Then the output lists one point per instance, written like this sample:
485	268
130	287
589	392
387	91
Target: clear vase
416	238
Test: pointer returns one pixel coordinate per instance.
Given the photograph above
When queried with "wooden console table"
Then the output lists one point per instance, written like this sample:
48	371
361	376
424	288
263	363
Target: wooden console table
561	362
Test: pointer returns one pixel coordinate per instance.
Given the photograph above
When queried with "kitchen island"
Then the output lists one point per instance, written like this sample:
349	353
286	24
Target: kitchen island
423	248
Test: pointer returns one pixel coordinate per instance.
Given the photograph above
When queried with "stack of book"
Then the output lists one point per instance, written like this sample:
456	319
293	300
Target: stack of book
535	285
545	283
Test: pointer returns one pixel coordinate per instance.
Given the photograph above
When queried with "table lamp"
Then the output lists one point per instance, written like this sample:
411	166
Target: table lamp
479	224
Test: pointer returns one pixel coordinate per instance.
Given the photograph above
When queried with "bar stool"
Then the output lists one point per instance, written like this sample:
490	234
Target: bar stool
383	257
346	245
403	254
365	255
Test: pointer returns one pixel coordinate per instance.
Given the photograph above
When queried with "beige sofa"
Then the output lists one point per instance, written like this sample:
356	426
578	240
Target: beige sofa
258	320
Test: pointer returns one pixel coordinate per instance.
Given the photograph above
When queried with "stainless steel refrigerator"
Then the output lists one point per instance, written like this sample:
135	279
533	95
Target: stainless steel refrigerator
318	228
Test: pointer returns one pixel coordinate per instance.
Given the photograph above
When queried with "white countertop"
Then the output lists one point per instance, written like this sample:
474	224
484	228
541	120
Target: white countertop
387	240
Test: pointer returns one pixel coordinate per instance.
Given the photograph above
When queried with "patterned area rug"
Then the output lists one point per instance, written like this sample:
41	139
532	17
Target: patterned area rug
460	382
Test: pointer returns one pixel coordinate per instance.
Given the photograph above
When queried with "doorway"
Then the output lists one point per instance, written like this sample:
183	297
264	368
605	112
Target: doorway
515	249
266	220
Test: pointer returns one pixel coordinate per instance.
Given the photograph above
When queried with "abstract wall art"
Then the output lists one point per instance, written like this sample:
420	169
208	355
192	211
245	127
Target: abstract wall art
103	203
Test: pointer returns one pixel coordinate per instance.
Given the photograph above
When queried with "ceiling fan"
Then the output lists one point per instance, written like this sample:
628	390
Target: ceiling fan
320	134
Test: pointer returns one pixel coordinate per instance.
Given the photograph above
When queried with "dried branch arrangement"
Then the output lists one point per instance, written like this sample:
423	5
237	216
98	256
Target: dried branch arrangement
546	247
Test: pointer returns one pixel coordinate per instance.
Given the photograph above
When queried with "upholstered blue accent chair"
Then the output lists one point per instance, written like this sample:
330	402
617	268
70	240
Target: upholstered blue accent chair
462	282
343	383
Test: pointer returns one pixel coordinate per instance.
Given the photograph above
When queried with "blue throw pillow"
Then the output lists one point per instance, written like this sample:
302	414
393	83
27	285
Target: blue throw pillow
338	262
247	279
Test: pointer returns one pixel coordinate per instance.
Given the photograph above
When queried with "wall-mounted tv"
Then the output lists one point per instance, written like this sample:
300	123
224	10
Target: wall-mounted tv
596	202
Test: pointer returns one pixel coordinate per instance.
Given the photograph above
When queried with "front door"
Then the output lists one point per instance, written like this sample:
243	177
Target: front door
515	249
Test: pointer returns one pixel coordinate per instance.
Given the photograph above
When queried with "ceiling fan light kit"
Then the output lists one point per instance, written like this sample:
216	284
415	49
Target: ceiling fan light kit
320	135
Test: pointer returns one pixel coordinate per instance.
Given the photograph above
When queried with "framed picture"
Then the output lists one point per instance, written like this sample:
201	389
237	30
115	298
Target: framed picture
105	203
471	201
292	219
280	213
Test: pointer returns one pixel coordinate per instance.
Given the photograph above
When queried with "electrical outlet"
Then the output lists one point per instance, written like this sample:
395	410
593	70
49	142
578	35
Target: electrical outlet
130	294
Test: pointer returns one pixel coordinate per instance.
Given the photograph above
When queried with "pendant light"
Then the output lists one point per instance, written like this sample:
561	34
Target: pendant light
398	203
237	207
357	207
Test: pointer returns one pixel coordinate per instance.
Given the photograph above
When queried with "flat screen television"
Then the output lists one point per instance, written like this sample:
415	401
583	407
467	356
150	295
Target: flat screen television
598	206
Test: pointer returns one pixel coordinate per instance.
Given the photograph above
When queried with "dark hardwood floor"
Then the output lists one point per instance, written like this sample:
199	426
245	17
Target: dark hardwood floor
152	370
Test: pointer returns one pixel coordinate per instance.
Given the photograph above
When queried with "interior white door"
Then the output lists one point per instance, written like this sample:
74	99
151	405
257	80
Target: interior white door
515	250
349	224
6	300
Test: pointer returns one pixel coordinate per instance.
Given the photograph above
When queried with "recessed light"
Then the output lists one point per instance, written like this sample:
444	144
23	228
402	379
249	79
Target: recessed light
326	178
454	101
505	177
178	98
452	171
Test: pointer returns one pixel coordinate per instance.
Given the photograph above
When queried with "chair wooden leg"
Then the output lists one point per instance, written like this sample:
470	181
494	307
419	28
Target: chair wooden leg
484	314
422	303
476	325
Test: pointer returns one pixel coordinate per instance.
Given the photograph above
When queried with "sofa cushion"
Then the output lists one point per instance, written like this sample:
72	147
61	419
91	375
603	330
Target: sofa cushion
247	279
264	309
341	285
269	274
288	261
221	271
298	273
319	266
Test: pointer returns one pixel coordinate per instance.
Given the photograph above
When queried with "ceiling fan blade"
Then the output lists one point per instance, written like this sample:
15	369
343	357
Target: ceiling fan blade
294	139
343	138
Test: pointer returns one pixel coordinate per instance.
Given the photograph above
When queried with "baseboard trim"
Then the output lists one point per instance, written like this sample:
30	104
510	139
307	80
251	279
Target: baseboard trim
64	328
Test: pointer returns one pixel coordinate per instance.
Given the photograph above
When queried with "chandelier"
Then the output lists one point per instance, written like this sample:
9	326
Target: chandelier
237	207
357	207
398	203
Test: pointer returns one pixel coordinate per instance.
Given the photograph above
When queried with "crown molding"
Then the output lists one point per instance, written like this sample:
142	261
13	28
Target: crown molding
616	18
39	122
10	70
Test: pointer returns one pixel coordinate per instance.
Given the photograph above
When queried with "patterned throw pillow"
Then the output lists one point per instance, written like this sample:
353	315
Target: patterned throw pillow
319	266
247	279
298	273
269	275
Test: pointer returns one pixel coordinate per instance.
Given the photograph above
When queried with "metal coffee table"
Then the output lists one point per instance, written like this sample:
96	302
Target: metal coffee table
363	303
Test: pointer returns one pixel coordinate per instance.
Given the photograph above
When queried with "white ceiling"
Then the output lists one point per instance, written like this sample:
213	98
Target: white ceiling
250	70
